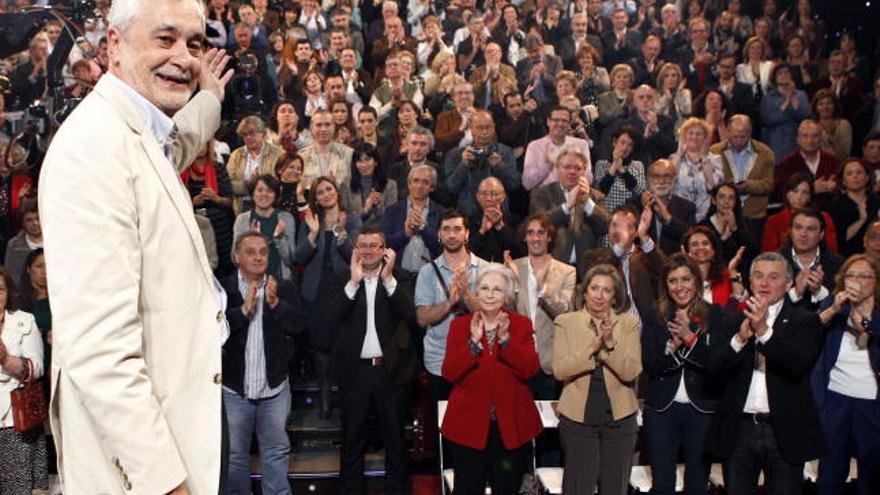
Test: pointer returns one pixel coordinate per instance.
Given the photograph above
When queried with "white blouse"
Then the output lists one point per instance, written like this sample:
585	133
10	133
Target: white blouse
22	338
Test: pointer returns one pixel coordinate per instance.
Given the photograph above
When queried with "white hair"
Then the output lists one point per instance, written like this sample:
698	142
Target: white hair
122	12
504	272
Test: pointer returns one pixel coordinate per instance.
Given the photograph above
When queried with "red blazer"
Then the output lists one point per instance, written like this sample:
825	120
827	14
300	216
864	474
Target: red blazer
776	230
497	378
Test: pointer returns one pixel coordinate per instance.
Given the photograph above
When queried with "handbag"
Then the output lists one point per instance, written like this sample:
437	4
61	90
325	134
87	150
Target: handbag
29	407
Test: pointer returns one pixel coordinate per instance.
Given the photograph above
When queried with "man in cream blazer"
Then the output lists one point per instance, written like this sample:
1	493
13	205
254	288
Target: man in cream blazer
544	290
139	325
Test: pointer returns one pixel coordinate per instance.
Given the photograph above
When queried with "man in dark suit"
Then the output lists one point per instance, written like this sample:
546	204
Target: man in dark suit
814	265
568	46
418	146
767	420
620	44
698	57
538	70
739	94
411	225
371	347
647	62
571	196
848	88
263	315
673	215
658	131
640	266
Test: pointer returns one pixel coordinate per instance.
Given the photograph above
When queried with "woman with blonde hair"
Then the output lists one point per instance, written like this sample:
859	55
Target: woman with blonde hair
615	104
698	170
674	100
597	356
256	157
755	69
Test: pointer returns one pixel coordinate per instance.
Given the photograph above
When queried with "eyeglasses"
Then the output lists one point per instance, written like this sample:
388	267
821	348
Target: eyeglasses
560	120
490	194
662	176
371	246
861	277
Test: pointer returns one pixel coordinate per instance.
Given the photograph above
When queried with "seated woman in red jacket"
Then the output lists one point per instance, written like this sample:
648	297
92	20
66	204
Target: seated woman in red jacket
722	285
491	417
798	194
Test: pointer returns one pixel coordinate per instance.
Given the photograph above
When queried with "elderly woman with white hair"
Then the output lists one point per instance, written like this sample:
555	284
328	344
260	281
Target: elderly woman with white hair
491	417
698	170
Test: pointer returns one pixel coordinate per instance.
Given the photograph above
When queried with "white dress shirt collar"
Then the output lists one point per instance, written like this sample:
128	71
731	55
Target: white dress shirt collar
160	124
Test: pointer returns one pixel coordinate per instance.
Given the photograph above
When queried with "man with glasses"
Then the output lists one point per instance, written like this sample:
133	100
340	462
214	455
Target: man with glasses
672	214
452	127
698	57
738	93
541	154
658	131
573	208
369	312
493	229
466	166
750	165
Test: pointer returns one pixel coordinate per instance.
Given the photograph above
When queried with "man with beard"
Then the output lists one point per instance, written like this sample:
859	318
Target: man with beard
366	355
545	289
672	214
444	290
138	316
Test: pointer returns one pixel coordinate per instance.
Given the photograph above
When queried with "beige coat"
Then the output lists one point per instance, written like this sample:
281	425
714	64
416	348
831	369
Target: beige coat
136	342
573	365
237	165
558	289
759	176
338	165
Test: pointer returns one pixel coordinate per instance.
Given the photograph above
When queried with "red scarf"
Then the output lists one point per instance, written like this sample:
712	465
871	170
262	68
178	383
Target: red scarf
209	173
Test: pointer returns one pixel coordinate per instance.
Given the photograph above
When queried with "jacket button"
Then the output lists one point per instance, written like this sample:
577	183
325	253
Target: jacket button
218	378
127	485
219	316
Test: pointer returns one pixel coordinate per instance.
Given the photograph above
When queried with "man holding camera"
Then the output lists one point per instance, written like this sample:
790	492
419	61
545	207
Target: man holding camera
468	165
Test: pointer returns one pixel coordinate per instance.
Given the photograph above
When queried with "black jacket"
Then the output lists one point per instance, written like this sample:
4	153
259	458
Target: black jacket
790	355
279	325
829	262
683	217
664	371
392	314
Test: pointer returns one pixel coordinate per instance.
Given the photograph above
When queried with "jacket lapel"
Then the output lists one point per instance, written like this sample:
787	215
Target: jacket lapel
161	166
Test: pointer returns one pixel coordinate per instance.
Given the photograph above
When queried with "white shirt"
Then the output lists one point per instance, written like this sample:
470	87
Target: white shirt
371	348
756	401
822	293
852	374
535	292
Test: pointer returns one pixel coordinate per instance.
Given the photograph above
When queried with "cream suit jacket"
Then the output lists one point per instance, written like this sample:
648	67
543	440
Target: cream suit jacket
136	344
558	290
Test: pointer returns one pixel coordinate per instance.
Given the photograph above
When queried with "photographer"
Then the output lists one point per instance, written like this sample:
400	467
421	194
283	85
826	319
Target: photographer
467	166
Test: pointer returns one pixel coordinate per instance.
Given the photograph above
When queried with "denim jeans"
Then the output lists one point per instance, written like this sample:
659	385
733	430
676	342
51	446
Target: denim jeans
269	418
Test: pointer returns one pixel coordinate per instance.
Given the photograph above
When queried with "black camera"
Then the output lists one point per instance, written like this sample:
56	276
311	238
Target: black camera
481	155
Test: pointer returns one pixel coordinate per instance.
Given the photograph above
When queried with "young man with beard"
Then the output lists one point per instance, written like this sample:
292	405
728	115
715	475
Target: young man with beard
366	353
544	290
672	214
445	289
